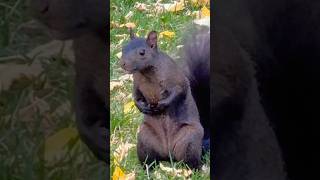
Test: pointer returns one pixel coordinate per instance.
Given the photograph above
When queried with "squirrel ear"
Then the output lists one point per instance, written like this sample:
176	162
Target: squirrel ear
152	39
132	35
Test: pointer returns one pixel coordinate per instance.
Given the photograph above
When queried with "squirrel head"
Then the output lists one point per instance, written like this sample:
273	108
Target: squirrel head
139	54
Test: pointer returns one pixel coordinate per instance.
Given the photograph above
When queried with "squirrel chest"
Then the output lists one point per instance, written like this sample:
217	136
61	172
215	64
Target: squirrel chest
151	88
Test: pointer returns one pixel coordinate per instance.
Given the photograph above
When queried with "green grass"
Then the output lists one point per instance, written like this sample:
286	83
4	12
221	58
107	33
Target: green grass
35	108
124	126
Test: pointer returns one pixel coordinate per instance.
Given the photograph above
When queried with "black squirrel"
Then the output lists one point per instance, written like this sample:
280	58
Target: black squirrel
244	143
171	125
282	40
85	24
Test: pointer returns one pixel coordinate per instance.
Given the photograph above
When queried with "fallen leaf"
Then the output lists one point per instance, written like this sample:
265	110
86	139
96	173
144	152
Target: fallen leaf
140	6
205	169
118	174
176	6
176	172
121	152
200	2
157	174
56	143
131	176
167	34
186	172
115	84
128	107
121	35
114	24
128	25
129	15
204	12
164	168
168	7
126	77
203	22
119	55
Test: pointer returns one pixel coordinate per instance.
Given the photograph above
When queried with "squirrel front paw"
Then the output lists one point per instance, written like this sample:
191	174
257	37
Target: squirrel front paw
143	107
161	106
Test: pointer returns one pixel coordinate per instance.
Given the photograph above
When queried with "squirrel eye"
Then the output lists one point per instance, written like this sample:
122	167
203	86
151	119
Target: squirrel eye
142	52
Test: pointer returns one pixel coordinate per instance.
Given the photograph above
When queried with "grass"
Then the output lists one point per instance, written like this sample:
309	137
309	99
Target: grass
125	123
35	111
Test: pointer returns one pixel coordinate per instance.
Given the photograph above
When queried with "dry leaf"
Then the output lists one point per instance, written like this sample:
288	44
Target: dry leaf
128	25
129	15
128	107
119	55
176	172
121	152
131	176
169	7
126	77
55	144
157	174
186	172
205	12
205	169
203	22
164	168
118	174
140	6
121	35
176	6
200	2
167	34
115	84
114	24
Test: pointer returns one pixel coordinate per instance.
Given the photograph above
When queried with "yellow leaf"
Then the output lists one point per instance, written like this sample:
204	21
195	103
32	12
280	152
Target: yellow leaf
200	2
177	6
205	12
128	107
118	174
55	144
167	34
128	25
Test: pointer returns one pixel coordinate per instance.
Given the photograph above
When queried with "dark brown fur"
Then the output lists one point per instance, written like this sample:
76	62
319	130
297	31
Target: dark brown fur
176	130
86	25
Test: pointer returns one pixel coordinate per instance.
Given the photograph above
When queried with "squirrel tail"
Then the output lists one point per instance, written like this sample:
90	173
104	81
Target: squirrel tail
196	59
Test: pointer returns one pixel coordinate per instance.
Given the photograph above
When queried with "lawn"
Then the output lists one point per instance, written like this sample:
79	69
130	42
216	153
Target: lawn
125	118
38	137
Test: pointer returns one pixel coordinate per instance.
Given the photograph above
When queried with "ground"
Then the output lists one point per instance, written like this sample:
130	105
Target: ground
125	118
37	124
